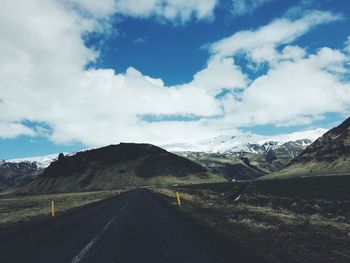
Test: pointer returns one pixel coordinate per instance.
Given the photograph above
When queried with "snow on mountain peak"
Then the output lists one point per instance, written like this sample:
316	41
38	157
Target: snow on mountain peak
45	160
243	142
246	142
41	161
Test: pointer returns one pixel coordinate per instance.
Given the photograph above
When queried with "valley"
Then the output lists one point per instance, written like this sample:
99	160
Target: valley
252	163
249	197
230	158
175	131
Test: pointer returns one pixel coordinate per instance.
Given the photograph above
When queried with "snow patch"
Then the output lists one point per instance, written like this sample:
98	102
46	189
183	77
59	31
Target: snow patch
245	142
41	161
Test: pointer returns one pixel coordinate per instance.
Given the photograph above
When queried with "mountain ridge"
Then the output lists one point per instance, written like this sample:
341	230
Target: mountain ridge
243	142
328	155
267	158
251	158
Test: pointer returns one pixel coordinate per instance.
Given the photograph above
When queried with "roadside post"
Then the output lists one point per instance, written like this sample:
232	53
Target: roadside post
178	198
52	208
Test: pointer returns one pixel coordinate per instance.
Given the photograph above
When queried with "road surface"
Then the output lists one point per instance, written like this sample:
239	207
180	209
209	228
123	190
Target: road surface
133	227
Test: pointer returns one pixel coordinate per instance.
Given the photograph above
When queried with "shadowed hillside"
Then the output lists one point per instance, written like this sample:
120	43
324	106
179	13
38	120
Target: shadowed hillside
249	165
328	155
118	166
15	174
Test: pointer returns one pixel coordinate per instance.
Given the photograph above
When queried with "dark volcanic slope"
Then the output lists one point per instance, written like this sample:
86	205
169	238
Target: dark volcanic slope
114	166
330	147
151	161
328	155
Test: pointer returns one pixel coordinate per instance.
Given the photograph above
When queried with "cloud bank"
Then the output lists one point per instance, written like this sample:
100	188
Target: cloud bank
44	78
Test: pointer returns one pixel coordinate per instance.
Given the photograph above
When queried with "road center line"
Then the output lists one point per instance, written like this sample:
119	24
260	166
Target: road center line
78	258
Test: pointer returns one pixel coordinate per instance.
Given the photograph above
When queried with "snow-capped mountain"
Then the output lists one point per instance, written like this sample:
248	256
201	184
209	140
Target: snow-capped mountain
40	161
15	172
247	156
246	142
272	153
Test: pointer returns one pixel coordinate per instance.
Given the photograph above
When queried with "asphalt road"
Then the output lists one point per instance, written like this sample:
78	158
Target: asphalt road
134	227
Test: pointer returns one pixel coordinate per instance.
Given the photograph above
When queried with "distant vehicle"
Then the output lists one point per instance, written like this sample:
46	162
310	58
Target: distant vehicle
233	180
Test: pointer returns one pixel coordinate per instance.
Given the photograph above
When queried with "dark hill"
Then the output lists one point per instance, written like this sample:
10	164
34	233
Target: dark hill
328	155
117	166
330	147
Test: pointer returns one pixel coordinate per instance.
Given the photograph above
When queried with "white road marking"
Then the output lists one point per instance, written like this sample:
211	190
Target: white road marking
78	258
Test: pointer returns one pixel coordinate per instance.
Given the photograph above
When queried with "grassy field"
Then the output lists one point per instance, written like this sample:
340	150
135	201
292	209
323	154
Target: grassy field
325	187
17	212
313	168
298	220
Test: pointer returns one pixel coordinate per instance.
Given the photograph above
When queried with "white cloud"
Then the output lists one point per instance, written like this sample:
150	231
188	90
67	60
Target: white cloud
347	45
242	7
44	80
10	130
97	9
298	88
260	44
172	10
140	40
120	99
218	75
294	92
292	53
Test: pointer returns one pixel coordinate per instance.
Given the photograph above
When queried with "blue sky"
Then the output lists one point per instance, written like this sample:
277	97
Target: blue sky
85	74
165	46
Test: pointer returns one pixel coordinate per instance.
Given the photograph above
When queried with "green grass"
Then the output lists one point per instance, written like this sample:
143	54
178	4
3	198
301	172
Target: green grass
338	167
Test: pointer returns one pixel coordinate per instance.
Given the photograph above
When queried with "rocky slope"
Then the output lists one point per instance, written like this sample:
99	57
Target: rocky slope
16	174
117	166
262	159
41	162
328	155
239	157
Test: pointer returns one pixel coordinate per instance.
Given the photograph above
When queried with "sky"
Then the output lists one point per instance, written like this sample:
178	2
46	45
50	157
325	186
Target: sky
86	73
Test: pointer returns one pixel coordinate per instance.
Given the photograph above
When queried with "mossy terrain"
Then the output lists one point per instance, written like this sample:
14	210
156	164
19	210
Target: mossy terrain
313	169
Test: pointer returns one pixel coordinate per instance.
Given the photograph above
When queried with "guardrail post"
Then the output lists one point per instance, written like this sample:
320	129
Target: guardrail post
52	208
178	198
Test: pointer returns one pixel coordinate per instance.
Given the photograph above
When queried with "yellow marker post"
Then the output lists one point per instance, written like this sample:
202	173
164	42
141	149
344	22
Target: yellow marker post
52	208
178	198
